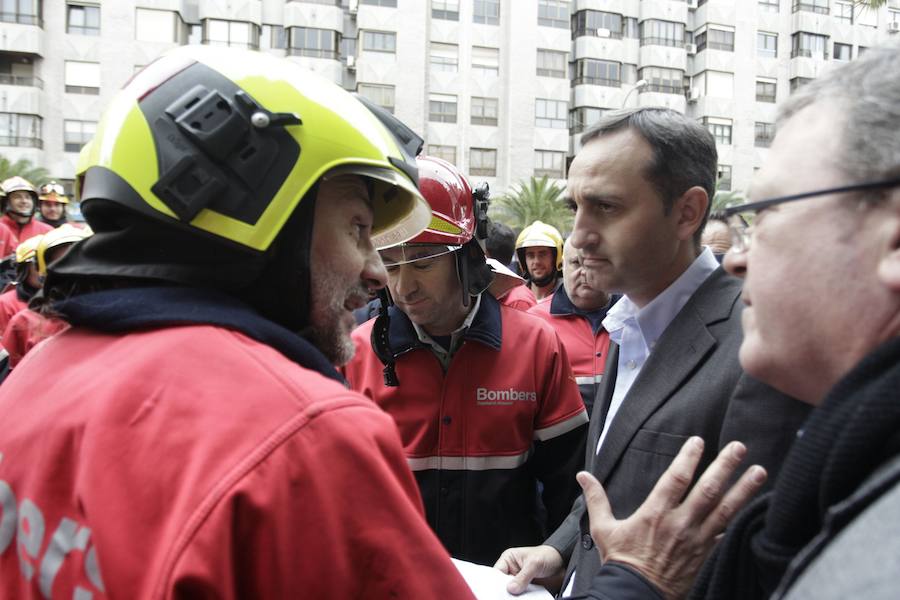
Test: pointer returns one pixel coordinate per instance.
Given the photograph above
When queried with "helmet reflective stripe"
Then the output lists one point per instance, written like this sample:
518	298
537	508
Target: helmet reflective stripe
337	131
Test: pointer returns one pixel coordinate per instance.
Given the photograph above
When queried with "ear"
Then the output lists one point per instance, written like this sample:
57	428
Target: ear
689	210
889	265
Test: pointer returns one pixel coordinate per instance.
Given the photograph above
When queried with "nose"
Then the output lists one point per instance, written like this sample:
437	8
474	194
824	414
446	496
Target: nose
583	234
735	263
403	282
374	274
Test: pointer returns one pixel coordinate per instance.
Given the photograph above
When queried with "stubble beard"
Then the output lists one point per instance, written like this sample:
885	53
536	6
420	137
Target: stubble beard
327	329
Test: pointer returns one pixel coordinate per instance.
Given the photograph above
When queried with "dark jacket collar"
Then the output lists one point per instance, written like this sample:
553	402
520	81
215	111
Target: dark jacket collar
131	309
486	328
561	305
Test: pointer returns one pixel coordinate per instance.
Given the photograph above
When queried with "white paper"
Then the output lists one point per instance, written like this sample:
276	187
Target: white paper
488	583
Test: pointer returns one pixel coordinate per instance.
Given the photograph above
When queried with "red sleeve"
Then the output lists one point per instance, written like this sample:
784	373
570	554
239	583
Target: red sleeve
333	512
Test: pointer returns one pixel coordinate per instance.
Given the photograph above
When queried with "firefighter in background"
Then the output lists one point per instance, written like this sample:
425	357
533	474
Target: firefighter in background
18	206
8	243
29	327
576	311
483	394
203	445
53	204
26	284
539	250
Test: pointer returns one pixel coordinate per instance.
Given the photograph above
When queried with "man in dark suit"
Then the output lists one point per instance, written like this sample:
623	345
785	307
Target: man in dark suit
641	187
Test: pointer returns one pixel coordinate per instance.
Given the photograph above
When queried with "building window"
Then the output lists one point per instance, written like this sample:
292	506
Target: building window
550	113
724	177
81	19
662	33
765	90
814	6
553	13
484	111
866	15
893	16
798	82
348	47
155	25
26	12
659	79
766	44
630	28
714	39
382	95
236	34
442	108
549	163
716	84
274	37
486	12
447	153
843	51
20	130
77	133
379	41
860	50
317	43
483	161
590	71
82	77
16	70
719	128
390	3
810	45
596	23
583	117
485	61
447	10
195	33
769	5
551	63
444	57
843	11
764	132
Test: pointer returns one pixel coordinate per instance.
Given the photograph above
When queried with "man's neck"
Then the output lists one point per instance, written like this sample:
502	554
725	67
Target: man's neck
541	292
18	218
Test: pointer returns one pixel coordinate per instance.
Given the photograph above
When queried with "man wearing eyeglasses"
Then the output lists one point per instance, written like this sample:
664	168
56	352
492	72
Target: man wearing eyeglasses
640	187
819	251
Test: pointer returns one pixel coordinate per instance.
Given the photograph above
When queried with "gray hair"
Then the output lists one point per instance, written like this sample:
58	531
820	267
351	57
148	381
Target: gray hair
867	93
684	152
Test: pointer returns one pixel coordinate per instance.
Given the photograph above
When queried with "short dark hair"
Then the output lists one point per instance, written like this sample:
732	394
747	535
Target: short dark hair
684	152
501	242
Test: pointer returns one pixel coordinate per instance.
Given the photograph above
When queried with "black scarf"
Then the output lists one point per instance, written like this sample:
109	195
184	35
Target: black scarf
853	432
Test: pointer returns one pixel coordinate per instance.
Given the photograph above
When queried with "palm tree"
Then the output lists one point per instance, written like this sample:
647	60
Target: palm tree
23	168
871	3
532	200
724	199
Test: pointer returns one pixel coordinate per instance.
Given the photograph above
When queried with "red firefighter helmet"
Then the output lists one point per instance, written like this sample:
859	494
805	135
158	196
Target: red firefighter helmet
458	214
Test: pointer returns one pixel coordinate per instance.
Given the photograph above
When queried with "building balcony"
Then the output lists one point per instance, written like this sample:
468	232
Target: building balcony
21	38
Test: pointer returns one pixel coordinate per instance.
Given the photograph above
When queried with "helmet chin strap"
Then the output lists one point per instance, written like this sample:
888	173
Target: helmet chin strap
20	214
544	281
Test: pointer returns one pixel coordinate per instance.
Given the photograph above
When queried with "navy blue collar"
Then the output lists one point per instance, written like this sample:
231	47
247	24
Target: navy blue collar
486	328
562	305
131	309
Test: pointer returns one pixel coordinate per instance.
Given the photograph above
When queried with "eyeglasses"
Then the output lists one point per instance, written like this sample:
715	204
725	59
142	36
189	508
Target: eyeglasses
741	231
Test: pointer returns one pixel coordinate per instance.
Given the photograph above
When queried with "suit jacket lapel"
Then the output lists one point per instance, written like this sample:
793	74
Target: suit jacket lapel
677	355
601	404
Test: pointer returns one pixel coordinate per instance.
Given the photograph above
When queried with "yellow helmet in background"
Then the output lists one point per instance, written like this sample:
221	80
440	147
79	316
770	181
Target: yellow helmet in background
26	251
540	234
228	142
52	192
62	235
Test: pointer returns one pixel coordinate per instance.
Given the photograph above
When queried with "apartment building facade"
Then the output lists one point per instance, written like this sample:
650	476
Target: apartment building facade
502	88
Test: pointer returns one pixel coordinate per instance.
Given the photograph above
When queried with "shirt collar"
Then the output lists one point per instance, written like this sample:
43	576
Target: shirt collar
655	317
483	325
457	335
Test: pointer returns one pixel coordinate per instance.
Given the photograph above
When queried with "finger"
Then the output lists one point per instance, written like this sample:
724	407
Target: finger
520	581
674	482
600	515
735	499
710	488
508	562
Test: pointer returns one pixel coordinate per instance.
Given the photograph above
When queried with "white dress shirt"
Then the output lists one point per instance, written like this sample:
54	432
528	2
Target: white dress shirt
636	330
